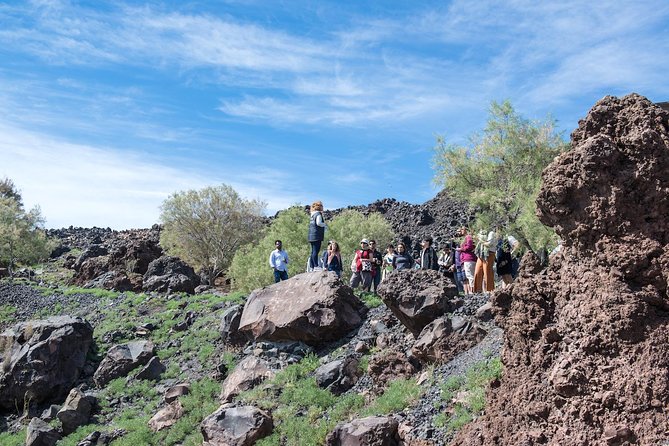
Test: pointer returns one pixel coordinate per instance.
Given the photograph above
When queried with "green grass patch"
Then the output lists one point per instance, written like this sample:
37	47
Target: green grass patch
370	300
400	394
16	439
471	389
7	314
97	292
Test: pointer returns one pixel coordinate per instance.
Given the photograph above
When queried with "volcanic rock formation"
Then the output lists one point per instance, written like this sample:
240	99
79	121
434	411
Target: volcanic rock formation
587	340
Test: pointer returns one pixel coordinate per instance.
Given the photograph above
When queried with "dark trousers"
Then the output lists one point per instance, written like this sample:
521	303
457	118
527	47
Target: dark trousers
315	248
377	279
280	275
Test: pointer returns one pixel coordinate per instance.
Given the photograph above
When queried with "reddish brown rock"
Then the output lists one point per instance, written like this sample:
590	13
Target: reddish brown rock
586	355
444	338
389	365
166	416
368	431
250	372
312	307
417	297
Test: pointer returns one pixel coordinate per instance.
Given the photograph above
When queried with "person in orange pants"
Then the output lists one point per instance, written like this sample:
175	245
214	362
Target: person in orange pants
483	273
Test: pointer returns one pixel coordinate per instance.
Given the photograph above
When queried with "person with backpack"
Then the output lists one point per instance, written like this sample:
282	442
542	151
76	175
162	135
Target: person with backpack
316	233
362	266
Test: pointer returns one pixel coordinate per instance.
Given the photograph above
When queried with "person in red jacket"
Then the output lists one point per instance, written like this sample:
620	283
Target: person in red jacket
362	266
468	259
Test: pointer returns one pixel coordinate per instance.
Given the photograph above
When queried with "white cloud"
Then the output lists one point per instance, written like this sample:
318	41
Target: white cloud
90	186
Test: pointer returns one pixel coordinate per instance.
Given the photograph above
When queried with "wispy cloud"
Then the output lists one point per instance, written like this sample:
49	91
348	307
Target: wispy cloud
100	186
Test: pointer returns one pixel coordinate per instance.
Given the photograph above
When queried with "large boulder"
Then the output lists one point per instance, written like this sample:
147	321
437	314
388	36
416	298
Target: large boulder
312	307
368	431
230	325
170	274
445	337
236	426
76	411
167	416
122	359
417	297
250	372
339	375
40	433
42	359
586	340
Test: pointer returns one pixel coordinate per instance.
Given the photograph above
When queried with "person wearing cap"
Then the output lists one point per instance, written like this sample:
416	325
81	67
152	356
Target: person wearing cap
278	260
362	266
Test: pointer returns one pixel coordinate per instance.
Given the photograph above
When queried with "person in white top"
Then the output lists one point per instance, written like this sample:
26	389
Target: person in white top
486	247
278	260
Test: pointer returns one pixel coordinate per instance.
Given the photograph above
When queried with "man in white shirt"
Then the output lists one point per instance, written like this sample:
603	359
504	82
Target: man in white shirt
278	260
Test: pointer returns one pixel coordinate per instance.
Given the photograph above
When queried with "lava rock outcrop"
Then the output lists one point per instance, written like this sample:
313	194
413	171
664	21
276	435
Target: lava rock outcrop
587	340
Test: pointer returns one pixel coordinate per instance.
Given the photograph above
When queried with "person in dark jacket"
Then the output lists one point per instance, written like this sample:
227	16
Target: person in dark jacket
402	260
333	260
377	264
316	232
428	256
504	261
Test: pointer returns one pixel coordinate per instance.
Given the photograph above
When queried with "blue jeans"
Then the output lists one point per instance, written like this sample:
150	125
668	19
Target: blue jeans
377	279
280	275
315	248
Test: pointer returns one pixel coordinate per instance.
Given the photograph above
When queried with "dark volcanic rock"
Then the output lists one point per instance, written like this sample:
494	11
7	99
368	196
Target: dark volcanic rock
236	426
339	375
445	337
41	434
586	350
76	411
312	307
417	297
121	359
42	359
369	431
250	372
169	274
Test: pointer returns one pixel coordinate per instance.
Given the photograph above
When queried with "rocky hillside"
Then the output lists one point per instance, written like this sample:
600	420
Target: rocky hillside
576	353
586	347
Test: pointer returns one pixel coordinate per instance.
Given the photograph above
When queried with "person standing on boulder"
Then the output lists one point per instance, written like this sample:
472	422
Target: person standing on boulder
333	261
428	256
316	233
278	260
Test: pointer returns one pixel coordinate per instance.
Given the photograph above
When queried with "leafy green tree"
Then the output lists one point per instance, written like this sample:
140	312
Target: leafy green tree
499	172
22	237
250	268
206	227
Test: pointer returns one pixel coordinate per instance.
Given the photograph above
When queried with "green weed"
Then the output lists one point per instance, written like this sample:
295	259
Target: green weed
7	313
370	300
400	394
16	439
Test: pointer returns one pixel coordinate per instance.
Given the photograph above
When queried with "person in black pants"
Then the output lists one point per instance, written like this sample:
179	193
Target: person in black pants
377	264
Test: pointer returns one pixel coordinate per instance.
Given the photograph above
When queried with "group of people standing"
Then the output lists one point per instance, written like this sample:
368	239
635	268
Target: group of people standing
469	264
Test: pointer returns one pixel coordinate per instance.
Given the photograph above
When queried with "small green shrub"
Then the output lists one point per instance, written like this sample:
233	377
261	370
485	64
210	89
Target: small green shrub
7	314
97	292
399	395
16	439
473	387
370	300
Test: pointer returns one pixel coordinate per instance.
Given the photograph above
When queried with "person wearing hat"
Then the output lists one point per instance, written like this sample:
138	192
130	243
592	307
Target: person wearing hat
362	266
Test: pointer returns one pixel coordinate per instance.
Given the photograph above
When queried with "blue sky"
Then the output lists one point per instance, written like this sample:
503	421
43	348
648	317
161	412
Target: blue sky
107	108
